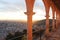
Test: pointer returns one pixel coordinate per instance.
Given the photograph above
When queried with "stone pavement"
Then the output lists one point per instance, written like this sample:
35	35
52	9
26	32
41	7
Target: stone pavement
55	35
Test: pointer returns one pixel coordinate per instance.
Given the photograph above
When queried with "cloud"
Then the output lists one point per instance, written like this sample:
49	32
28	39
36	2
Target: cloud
10	5
16	5
39	4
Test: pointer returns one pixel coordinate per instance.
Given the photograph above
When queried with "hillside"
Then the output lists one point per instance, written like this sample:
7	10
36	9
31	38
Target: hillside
54	35
8	26
42	24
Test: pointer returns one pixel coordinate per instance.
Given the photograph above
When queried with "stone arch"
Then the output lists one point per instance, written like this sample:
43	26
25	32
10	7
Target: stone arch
29	13
47	8
47	4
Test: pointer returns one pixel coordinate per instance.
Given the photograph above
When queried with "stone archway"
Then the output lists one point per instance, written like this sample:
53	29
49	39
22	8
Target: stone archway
29	6
48	4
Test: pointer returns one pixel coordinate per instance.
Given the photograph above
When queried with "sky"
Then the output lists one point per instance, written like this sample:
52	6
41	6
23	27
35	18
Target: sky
14	10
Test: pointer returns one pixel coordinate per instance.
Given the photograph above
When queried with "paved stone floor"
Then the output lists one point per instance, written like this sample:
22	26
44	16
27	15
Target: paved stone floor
55	35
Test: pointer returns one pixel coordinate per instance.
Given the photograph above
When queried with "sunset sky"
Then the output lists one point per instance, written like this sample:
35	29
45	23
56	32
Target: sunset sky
14	10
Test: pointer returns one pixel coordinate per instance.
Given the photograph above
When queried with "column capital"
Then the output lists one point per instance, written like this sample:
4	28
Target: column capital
47	16
29	5
29	13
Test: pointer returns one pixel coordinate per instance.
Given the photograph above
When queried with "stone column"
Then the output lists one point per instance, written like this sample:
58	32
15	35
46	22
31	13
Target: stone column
47	7
53	16
53	23
57	18
47	21
29	13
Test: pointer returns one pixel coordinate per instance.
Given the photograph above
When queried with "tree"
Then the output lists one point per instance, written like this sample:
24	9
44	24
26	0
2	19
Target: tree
25	34
18	35
9	36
